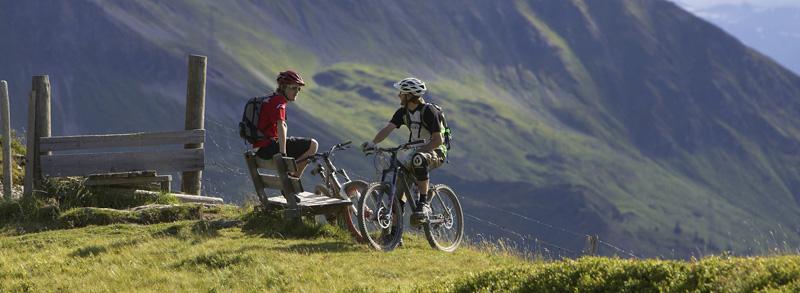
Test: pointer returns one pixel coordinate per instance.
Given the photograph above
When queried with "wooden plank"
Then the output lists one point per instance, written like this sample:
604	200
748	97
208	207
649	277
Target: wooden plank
308	199
311	204
185	197
82	142
146	173
131	180
198	199
98	163
195	116
250	159
271	181
30	134
5	113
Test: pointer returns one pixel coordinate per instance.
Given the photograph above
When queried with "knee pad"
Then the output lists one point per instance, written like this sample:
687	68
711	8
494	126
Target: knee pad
420	165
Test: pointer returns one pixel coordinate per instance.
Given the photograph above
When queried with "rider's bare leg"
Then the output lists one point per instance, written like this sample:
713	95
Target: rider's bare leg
312	149
422	186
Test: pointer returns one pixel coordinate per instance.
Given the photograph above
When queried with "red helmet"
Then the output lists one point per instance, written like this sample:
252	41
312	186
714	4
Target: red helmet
289	76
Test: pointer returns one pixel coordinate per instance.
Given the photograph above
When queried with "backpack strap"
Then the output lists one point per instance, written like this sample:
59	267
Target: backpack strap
408	122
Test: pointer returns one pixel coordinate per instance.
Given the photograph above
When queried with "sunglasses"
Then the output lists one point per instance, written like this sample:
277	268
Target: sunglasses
293	88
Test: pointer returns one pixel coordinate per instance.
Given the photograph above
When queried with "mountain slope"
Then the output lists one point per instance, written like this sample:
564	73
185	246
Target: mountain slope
631	119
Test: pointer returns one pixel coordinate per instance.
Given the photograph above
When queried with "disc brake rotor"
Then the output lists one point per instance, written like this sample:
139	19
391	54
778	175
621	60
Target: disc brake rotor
384	218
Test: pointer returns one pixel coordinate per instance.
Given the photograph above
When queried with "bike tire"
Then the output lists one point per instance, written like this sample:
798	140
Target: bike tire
354	191
445	207
374	223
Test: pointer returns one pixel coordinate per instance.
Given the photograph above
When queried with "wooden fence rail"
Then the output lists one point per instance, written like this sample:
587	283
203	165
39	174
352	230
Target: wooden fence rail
63	143
189	160
84	164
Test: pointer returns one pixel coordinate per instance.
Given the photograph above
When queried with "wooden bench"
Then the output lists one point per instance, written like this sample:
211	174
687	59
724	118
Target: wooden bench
100	159
131	179
293	199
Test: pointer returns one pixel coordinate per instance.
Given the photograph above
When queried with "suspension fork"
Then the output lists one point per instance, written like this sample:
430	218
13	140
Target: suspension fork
393	186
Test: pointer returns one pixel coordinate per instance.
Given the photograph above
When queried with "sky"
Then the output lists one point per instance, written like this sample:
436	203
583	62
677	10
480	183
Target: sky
700	4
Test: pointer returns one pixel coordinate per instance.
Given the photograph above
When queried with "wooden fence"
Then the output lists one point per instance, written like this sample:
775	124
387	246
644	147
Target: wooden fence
5	114
42	161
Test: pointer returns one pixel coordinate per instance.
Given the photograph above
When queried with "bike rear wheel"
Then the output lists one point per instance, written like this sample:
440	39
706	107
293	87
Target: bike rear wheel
444	228
349	220
346	218
381	228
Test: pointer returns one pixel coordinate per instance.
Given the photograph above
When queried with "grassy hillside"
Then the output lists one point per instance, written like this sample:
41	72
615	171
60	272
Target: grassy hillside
190	256
197	256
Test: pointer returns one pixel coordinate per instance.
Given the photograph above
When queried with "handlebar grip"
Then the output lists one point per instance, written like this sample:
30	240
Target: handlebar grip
346	143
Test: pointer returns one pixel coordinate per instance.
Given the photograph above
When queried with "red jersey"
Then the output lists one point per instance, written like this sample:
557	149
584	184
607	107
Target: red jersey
272	111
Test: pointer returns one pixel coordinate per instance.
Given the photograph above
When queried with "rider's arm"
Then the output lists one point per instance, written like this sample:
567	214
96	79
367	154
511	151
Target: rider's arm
282	136
436	141
384	133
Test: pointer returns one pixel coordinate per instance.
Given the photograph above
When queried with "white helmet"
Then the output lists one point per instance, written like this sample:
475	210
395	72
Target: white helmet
411	85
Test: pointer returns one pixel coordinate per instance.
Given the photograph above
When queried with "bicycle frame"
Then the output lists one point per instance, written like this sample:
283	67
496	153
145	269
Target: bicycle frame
397	171
328	172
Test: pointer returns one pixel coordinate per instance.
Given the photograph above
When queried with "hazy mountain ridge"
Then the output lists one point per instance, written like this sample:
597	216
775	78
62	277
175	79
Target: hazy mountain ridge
638	115
772	30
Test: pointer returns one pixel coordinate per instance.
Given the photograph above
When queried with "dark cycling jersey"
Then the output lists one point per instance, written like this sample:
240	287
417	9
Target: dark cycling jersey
423	121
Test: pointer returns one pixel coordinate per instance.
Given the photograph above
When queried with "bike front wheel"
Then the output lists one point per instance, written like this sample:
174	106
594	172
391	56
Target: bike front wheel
380	218
444	228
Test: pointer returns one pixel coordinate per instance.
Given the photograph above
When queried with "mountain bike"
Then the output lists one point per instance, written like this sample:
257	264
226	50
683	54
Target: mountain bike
332	186
380	209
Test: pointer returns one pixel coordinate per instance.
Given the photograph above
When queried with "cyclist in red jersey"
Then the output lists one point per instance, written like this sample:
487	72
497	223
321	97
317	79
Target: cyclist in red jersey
272	123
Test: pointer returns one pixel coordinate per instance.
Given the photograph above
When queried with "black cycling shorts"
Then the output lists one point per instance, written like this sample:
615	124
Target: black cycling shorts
295	147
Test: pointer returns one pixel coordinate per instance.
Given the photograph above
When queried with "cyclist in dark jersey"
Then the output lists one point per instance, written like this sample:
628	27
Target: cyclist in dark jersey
424	125
272	123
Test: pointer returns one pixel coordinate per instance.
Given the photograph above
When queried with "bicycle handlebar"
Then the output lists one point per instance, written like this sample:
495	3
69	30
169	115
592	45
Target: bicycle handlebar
340	146
400	147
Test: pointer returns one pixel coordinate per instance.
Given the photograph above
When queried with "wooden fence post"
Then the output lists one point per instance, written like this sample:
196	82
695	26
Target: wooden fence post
41	84
30	149
195	111
6	125
591	245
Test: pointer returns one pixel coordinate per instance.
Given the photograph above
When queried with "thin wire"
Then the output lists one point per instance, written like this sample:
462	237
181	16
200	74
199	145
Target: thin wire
520	235
612	246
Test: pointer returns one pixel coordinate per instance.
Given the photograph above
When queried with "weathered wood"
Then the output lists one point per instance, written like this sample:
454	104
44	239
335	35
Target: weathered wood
185	197
62	143
250	159
290	188
195	113
98	163
93	181
41	85
310	204
265	164
591	245
6	128
144	173
308	199
30	150
198	198
271	181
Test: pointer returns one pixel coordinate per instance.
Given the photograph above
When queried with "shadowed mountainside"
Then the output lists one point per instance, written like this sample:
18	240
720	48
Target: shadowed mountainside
631	119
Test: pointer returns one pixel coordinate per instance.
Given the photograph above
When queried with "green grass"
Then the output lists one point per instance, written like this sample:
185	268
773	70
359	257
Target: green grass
267	253
714	274
17	148
195	256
